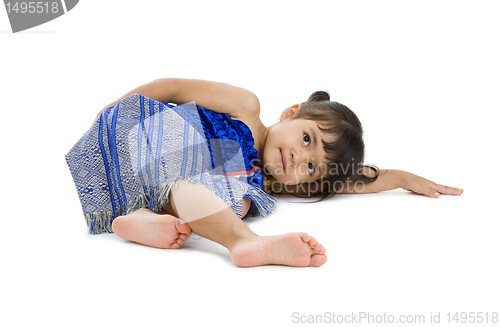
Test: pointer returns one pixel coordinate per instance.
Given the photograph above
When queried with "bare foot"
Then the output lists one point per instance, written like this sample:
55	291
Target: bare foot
293	249
152	229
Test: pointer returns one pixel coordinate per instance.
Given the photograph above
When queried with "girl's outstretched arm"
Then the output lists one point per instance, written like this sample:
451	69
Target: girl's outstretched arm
392	179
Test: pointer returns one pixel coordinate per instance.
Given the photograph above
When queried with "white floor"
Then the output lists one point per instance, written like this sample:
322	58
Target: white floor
424	81
393	253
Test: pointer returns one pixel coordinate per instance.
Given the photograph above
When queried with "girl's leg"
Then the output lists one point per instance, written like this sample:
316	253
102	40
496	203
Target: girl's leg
147	227
248	249
214	220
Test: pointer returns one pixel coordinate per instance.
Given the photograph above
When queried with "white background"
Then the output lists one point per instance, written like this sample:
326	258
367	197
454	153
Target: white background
423	77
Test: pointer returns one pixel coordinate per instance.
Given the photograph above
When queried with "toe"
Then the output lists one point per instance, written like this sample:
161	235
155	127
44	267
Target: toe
317	247
182	228
305	237
318	260
175	246
183	237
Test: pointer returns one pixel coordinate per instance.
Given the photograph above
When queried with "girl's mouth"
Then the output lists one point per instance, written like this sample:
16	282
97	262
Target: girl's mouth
282	159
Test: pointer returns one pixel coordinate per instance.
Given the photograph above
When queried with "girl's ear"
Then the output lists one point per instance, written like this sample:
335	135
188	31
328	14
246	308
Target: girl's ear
289	112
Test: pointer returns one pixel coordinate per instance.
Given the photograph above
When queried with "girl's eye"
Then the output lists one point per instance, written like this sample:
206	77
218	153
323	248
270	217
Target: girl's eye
307	140
310	168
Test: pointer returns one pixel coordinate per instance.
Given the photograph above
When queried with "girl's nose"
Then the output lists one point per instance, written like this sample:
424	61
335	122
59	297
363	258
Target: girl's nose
298	158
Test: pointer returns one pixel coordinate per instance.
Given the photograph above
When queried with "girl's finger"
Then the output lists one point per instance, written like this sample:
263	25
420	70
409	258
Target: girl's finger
434	194
431	191
447	190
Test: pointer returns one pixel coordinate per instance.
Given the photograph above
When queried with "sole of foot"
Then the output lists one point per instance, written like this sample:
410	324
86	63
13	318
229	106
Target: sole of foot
293	249
152	229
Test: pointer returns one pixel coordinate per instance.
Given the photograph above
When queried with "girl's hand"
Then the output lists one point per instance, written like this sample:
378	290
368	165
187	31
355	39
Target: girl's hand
426	187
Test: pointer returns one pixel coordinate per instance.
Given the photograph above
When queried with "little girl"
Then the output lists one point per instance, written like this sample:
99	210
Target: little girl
153	173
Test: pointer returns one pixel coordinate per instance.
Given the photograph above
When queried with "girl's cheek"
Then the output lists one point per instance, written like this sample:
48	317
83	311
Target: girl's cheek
292	180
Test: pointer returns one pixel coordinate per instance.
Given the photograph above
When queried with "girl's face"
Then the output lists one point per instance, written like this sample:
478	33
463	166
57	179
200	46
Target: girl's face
293	151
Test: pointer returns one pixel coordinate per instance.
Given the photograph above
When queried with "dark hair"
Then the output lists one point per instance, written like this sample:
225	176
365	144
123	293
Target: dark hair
346	154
